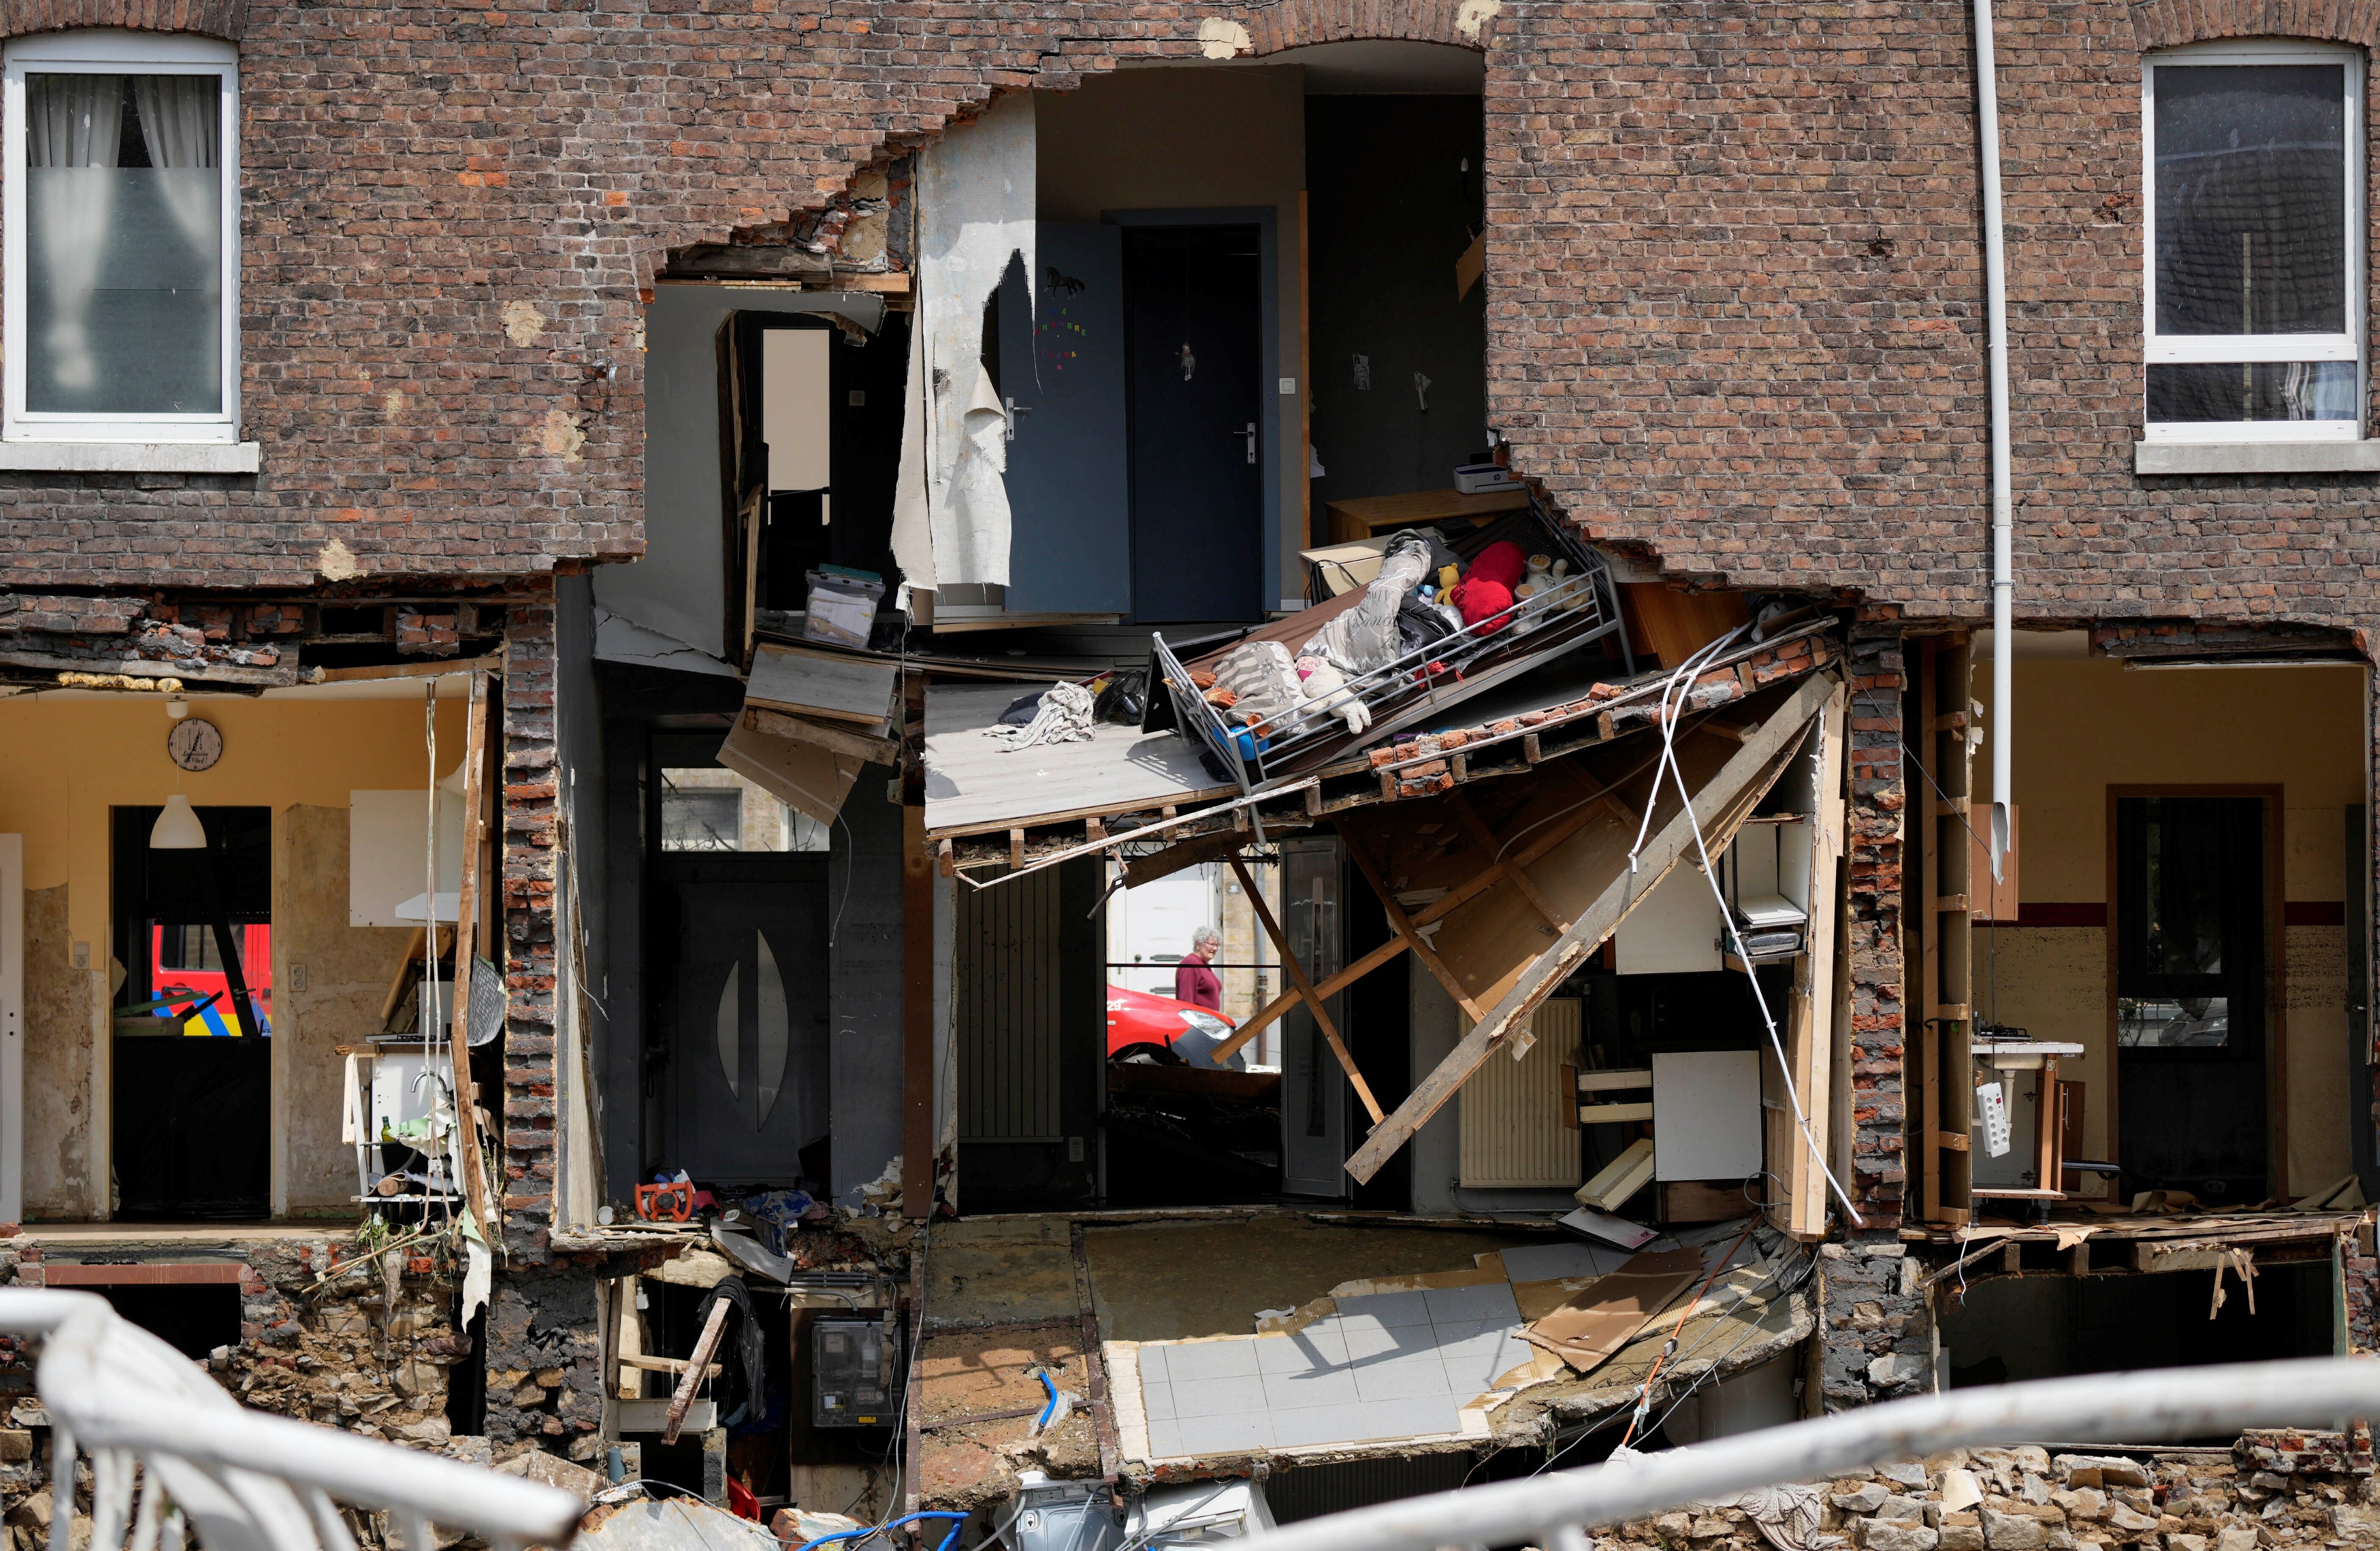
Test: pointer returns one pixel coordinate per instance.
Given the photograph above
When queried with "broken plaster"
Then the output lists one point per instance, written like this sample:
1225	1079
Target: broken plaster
338	562
1473	19
560	437
524	324
1221	38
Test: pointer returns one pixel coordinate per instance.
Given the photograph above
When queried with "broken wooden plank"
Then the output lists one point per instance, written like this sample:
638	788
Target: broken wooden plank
1726	794
1607	1114
1620	1178
839	686
847	741
1809	1013
1305	988
483	1201
705	1347
1513	874
1604	1081
1553	834
1403	926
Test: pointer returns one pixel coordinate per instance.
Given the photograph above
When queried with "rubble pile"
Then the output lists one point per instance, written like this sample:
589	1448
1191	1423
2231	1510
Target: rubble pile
2271	1489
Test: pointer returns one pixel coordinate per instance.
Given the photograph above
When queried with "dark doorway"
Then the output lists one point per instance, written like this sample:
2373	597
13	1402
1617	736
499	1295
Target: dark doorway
2009	1329
1400	200
1193	305
738	934
2190	921
194	1319
192	1061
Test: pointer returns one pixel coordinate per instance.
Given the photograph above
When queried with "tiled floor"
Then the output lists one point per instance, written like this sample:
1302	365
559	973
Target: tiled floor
1392	1365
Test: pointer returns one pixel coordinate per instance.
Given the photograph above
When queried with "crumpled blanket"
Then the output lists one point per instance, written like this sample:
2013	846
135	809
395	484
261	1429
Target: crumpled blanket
1065	717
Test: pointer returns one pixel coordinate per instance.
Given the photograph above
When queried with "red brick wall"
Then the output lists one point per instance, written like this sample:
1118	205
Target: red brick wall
1733	307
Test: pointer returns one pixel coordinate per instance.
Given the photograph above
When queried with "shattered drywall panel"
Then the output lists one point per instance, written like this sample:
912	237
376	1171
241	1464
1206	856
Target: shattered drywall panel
2315	966
346	975
975	216
57	1064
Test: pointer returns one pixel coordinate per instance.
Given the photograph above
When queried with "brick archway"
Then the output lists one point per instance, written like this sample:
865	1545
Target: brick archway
1288	24
2171	23
207	18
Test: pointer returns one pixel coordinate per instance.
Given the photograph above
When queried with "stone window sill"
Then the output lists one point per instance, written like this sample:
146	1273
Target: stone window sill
133	458
2256	458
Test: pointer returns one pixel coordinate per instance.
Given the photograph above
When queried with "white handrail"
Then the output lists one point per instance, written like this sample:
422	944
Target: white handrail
245	1480
2130	1408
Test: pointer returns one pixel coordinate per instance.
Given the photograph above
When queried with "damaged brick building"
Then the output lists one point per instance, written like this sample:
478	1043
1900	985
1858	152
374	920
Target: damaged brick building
583	491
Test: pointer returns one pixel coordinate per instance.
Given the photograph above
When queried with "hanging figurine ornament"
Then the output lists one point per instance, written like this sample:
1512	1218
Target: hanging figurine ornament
1189	364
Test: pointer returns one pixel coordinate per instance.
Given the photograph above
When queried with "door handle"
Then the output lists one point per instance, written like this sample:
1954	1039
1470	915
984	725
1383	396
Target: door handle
1016	409
1251	434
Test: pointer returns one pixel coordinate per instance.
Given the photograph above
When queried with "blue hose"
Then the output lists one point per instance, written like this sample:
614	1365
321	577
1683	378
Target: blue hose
956	1519
1047	1412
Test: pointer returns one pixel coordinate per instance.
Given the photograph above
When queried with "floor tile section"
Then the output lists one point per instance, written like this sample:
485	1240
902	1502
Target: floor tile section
1388	1365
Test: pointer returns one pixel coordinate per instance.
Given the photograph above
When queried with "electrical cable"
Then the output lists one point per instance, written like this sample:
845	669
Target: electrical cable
1670	712
1612	1418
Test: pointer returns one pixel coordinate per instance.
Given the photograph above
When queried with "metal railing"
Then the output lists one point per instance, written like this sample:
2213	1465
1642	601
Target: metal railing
242	1480
1557	1510
1577	610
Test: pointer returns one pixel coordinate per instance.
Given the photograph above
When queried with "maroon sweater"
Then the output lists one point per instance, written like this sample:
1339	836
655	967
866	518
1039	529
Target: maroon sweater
1196	985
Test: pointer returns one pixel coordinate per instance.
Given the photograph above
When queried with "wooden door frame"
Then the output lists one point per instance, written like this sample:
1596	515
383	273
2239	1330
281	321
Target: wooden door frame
2276	1093
12	1028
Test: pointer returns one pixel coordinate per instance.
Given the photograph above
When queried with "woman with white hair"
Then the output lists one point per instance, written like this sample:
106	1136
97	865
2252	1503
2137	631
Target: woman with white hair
1192	981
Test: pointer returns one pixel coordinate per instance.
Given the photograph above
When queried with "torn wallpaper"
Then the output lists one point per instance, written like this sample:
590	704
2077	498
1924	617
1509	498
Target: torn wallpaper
976	198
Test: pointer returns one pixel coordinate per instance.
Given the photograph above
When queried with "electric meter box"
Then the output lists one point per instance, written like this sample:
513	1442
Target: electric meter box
855	1372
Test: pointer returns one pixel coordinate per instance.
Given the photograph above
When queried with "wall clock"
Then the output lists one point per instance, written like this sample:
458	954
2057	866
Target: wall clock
195	743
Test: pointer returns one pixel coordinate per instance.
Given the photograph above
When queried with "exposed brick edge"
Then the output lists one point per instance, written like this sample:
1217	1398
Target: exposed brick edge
212	19
1295	23
527	813
2169	23
1284	24
1877	1015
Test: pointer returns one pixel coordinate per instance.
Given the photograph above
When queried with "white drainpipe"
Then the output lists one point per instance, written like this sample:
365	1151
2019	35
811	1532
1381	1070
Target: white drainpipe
1988	115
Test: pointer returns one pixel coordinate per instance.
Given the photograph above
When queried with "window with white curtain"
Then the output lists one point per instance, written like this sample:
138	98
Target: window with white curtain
2255	194
122	239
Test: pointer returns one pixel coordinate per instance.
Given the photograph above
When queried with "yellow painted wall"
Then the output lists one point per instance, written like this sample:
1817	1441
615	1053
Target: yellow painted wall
65	761
2083	726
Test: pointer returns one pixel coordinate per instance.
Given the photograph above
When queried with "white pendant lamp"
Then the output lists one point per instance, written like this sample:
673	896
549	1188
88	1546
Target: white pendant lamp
177	828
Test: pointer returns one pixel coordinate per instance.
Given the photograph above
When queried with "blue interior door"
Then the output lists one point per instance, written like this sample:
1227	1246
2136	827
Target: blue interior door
1197	446
1061	372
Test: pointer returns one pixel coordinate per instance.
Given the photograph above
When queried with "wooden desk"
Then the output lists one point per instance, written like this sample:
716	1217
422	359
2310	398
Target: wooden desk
1373	515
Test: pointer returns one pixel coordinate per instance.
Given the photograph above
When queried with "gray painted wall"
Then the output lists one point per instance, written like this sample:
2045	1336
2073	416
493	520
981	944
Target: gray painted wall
865	957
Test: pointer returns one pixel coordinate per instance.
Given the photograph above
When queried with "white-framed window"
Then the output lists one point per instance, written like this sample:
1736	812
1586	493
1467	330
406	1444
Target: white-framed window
2254	194
122	211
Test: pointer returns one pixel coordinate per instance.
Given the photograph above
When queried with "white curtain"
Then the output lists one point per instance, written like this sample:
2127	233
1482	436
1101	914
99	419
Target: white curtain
181	118
72	123
181	123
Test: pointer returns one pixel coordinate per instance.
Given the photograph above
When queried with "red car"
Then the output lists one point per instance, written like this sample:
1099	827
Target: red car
1138	1021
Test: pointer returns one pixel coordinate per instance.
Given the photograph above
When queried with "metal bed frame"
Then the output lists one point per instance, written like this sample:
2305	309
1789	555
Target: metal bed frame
1584	607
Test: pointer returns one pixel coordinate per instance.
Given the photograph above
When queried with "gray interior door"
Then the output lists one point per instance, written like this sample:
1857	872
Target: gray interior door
748	1015
1062	372
1313	1088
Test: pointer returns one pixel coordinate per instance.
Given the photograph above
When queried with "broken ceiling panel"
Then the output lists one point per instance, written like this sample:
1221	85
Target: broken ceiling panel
975	216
